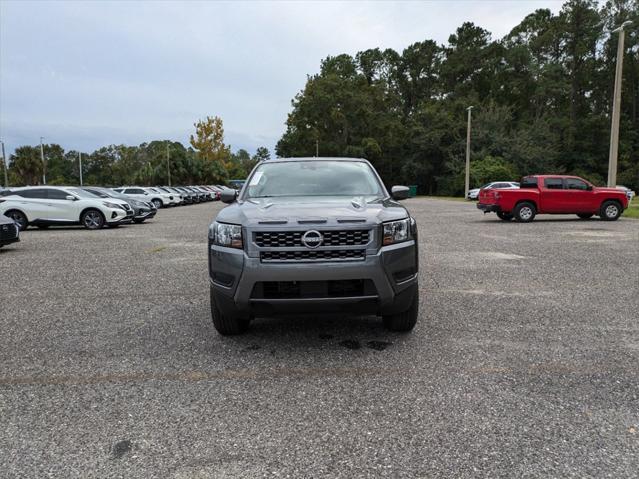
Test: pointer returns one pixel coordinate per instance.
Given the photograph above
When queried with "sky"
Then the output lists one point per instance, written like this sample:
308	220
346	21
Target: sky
95	73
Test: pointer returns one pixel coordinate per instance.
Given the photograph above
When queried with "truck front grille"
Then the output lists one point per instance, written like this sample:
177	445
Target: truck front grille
313	255
283	239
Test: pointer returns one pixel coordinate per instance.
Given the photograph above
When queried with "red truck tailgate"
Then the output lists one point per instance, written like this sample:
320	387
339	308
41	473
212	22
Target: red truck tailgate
487	197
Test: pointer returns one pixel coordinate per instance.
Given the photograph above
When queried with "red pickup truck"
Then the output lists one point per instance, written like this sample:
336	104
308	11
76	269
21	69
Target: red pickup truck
553	194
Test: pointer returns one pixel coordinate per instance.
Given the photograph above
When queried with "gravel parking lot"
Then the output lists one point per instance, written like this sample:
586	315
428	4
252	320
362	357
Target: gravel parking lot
525	360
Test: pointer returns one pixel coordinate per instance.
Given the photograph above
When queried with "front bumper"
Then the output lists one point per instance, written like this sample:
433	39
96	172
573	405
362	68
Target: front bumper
147	214
118	216
488	208
392	269
9	235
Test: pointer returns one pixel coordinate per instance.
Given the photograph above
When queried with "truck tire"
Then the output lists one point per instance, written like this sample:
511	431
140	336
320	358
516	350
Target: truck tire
585	216
227	324
406	320
504	216
610	210
525	212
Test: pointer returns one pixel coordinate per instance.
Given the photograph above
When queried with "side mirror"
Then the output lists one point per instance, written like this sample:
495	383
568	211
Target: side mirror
228	196
70	198
589	188
399	192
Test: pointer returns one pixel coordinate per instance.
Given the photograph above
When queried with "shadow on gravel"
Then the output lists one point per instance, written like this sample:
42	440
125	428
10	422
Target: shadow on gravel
302	334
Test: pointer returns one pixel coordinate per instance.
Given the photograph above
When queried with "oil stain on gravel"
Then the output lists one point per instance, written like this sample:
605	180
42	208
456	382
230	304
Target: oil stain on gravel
351	344
120	448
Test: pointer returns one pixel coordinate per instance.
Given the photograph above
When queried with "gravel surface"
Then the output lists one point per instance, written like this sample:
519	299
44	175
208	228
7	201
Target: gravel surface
525	360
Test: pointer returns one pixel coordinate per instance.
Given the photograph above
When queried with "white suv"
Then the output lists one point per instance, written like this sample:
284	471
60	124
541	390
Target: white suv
159	199
44	206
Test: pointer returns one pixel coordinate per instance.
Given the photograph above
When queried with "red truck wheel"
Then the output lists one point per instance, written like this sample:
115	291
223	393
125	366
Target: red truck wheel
525	212
610	211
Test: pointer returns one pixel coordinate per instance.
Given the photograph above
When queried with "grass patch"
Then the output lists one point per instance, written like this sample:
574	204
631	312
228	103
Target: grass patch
633	210
157	249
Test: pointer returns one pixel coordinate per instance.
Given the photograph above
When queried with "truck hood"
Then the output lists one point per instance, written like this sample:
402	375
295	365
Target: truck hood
605	189
329	211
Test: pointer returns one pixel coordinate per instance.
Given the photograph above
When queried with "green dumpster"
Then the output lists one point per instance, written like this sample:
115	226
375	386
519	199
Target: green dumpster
412	191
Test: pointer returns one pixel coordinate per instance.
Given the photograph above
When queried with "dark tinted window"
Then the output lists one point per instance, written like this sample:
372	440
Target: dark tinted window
575	184
528	182
40	193
57	194
554	183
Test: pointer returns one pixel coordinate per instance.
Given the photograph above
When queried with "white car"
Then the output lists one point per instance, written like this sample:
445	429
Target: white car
159	199
176	198
504	185
44	206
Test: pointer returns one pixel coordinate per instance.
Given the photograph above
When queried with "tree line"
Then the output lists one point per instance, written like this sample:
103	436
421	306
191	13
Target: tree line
542	98
206	160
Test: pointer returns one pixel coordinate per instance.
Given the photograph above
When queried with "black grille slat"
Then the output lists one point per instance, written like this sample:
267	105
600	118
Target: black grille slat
314	255
290	239
313	289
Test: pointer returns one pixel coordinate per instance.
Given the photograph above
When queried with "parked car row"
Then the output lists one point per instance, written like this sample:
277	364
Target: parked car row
165	196
92	207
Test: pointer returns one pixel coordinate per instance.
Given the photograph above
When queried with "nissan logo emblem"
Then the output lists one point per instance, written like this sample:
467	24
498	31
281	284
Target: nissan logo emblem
312	239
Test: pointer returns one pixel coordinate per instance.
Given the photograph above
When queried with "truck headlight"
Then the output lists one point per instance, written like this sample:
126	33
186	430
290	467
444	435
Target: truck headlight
397	231
223	234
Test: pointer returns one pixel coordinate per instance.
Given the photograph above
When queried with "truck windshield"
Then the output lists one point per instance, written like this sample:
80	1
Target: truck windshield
313	178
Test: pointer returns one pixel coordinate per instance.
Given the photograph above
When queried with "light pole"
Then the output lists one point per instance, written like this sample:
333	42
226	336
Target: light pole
616	106
467	179
4	160
44	165
168	163
80	165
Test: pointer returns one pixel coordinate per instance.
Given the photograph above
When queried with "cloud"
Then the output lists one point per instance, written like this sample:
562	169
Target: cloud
87	74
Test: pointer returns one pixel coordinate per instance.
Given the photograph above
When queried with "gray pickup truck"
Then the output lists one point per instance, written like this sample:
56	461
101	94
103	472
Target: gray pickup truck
309	235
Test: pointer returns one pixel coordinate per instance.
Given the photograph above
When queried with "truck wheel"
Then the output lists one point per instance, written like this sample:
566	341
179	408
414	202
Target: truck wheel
525	212
227	324
610	211
405	321
584	216
504	216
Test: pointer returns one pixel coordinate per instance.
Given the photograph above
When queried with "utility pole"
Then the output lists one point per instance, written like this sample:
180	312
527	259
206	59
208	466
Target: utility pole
80	160
6	166
467	180
316	148
168	163
616	106
44	164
